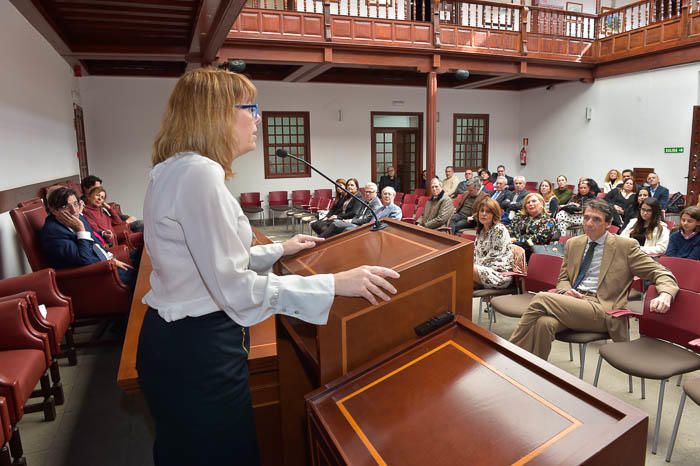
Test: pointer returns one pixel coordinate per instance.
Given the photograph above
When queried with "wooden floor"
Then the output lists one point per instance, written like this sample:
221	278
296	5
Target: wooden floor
100	426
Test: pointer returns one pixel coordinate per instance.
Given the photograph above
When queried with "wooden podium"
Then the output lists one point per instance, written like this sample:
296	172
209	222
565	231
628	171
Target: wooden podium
464	396
436	276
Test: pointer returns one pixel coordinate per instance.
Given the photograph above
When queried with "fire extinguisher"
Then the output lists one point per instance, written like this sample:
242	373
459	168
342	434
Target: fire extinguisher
523	156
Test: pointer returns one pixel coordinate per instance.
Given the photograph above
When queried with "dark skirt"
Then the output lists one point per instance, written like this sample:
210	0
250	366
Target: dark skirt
194	375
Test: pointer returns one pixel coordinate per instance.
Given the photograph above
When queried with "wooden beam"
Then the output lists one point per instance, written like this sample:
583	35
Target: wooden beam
200	26
431	123
488	81
225	16
649	62
307	72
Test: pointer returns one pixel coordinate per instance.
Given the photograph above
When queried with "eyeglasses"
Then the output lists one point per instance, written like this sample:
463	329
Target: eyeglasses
646	210
252	108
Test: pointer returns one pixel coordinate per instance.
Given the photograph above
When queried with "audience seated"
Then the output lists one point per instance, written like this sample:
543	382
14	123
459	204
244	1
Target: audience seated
486	183
67	239
501	193
468	206
90	182
104	221
363	215
492	251
345	210
562	191
514	203
449	184
439	208
656	190
551	203
612	180
341	199
685	242
571	213
595	276
641	196
501	171
532	225
624	201
388	208
462	186
648	228
390	179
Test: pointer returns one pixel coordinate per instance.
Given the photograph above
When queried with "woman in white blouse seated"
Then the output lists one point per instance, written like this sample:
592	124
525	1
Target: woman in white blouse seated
208	284
648	228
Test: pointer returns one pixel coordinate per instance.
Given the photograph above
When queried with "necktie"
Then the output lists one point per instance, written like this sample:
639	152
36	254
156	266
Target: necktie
586	264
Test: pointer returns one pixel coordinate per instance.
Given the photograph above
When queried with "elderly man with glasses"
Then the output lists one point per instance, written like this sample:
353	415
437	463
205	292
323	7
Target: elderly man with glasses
362	217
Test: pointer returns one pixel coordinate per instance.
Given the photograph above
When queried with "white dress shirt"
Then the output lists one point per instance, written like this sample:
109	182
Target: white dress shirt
199	241
590	281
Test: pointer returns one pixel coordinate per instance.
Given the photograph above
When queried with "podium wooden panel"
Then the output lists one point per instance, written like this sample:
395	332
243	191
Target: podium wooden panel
465	396
436	276
262	365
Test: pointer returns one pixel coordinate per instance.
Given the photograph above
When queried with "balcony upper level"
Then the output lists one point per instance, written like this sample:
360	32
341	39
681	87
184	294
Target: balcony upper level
503	45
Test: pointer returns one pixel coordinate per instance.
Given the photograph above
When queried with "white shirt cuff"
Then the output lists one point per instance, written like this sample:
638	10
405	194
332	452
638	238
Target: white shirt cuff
84	235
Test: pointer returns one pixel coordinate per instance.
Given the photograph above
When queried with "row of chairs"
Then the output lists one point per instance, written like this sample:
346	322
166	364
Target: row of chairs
669	343
36	329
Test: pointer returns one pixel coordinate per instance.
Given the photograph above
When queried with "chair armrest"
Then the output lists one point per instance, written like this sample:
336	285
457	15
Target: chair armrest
621	313
655	254
43	283
695	343
16	331
34	317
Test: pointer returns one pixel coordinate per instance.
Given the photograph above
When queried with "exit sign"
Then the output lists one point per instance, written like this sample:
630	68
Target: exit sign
673	150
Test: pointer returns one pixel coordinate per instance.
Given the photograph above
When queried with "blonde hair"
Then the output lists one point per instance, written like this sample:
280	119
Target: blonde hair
607	175
201	115
523	211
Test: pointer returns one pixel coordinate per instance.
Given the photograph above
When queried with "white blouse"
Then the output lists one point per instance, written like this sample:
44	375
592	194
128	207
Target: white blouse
657	244
199	241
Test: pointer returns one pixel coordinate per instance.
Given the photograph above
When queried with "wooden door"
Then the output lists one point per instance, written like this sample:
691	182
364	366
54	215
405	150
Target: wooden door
398	148
693	172
80	137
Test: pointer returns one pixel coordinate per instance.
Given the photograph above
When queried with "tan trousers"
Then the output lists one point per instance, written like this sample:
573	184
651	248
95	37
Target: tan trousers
549	313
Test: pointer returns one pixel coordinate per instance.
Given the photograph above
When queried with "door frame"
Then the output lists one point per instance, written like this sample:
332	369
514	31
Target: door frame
419	143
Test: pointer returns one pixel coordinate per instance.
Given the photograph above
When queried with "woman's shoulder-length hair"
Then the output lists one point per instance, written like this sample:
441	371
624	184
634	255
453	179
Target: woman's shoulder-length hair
200	116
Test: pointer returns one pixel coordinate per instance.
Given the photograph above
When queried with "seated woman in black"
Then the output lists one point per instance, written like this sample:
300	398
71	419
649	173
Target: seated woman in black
348	208
624	201
320	225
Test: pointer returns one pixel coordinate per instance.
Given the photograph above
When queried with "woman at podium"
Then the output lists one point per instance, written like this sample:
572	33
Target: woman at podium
207	284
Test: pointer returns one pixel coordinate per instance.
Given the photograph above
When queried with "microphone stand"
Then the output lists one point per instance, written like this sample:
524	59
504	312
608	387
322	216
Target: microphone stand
378	224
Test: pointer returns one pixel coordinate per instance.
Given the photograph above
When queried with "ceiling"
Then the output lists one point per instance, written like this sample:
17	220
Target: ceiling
167	37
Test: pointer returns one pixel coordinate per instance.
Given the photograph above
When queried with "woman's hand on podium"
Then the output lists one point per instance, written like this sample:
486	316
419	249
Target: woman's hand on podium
366	282
300	242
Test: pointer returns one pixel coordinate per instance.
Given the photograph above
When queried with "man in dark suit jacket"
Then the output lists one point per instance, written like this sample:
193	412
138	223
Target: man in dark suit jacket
67	240
500	193
390	179
656	190
585	293
501	171
515	203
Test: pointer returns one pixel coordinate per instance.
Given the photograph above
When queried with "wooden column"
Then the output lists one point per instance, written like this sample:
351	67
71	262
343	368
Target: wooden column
431	123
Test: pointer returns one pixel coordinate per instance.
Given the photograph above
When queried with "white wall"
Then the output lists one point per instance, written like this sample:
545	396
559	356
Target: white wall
36	120
122	116
633	118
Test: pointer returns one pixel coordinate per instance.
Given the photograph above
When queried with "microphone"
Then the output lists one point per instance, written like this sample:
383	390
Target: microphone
378	225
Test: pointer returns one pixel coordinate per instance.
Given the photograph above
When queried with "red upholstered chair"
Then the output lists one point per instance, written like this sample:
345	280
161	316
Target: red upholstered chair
398	200
457	200
134	240
325	193
251	204
300	198
613	229
531	186
34	200
6	458
686	271
410	199
422	201
664	349
41	288
408	211
419	192
468	236
24	359
95	289
277	201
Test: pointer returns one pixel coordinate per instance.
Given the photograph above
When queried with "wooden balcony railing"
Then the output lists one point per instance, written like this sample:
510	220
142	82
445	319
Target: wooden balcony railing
480	14
637	15
562	23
